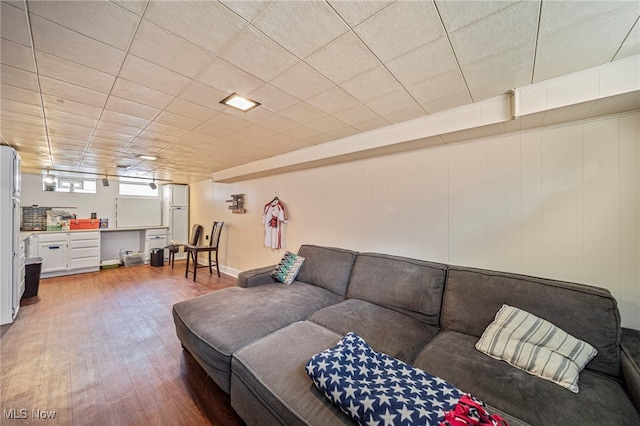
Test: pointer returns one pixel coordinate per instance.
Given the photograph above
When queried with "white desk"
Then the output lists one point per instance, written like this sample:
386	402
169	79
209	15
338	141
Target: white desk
117	240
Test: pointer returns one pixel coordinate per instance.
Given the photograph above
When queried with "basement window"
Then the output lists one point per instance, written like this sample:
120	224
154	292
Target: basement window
137	188
76	185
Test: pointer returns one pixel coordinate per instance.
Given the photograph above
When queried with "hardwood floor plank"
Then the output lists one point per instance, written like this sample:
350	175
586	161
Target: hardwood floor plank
100	348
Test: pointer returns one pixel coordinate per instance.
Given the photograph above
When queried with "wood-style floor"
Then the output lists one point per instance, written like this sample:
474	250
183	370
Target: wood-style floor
101	349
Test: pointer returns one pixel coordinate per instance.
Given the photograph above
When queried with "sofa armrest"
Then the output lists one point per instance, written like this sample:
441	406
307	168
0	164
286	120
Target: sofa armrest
630	354
256	277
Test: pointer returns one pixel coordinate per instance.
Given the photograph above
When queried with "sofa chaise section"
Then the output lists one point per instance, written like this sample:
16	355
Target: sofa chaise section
214	326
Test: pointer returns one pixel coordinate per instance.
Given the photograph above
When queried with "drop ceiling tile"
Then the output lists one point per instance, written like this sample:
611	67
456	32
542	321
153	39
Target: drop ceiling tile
272	98
258	55
20	108
401	28
156	45
154	76
438	87
376	123
303	133
631	45
103	21
343	133
247	9
118	128
425	62
228	121
405	115
302	113
66	91
451	101
229	78
333	100
204	95
16	55
18	94
371	84
135	6
213	129
356	114
458	14
288	24
10	119
62	42
71	107
176	120
167	131
127	120
56	127
189	109
504	30
259	131
355	12
100	134
124	106
207	24
19	78
137	93
546	72
343	58
282	139
302	81
395	101
498	74
598	39
279	123
79	75
13	24
327	124
64	117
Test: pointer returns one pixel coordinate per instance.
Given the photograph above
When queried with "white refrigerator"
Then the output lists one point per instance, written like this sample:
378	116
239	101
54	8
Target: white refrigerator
175	213
11	256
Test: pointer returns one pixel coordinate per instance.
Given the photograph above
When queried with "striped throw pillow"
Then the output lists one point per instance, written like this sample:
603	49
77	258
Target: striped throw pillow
287	270
536	346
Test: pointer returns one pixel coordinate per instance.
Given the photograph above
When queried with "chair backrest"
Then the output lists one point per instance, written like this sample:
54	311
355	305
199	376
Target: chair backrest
196	231
215	234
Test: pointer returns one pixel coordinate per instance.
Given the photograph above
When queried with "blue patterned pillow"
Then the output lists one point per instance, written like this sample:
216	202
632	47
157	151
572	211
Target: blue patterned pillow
287	270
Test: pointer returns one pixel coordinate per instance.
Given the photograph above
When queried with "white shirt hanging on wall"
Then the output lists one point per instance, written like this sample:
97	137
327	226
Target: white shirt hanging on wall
273	218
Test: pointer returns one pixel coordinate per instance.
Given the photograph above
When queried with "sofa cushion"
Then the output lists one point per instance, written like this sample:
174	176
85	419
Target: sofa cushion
213	326
410	286
287	270
388	331
453	357
473	296
269	384
326	267
536	346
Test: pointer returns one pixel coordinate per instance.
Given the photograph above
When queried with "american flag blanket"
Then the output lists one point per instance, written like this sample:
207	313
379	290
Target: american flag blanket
376	389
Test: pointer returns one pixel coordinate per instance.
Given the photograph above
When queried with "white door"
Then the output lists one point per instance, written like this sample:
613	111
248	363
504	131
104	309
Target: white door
179	225
179	195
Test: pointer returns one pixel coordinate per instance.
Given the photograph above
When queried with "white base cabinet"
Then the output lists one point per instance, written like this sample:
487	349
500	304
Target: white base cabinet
66	253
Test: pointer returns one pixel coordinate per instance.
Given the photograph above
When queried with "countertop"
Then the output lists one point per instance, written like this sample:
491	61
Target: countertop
26	234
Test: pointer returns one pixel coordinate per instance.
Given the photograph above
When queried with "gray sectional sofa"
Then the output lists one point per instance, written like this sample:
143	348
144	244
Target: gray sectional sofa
254	340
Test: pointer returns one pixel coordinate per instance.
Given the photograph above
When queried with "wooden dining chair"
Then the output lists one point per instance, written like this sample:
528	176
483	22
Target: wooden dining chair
196	231
194	250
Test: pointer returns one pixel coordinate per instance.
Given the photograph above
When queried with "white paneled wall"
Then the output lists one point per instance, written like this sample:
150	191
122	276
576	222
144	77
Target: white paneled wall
561	202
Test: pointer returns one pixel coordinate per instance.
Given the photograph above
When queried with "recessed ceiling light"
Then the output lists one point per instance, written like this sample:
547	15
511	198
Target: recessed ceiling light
147	157
236	101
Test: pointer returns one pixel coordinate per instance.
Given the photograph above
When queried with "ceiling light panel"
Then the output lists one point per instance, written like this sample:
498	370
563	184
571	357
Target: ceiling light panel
239	102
